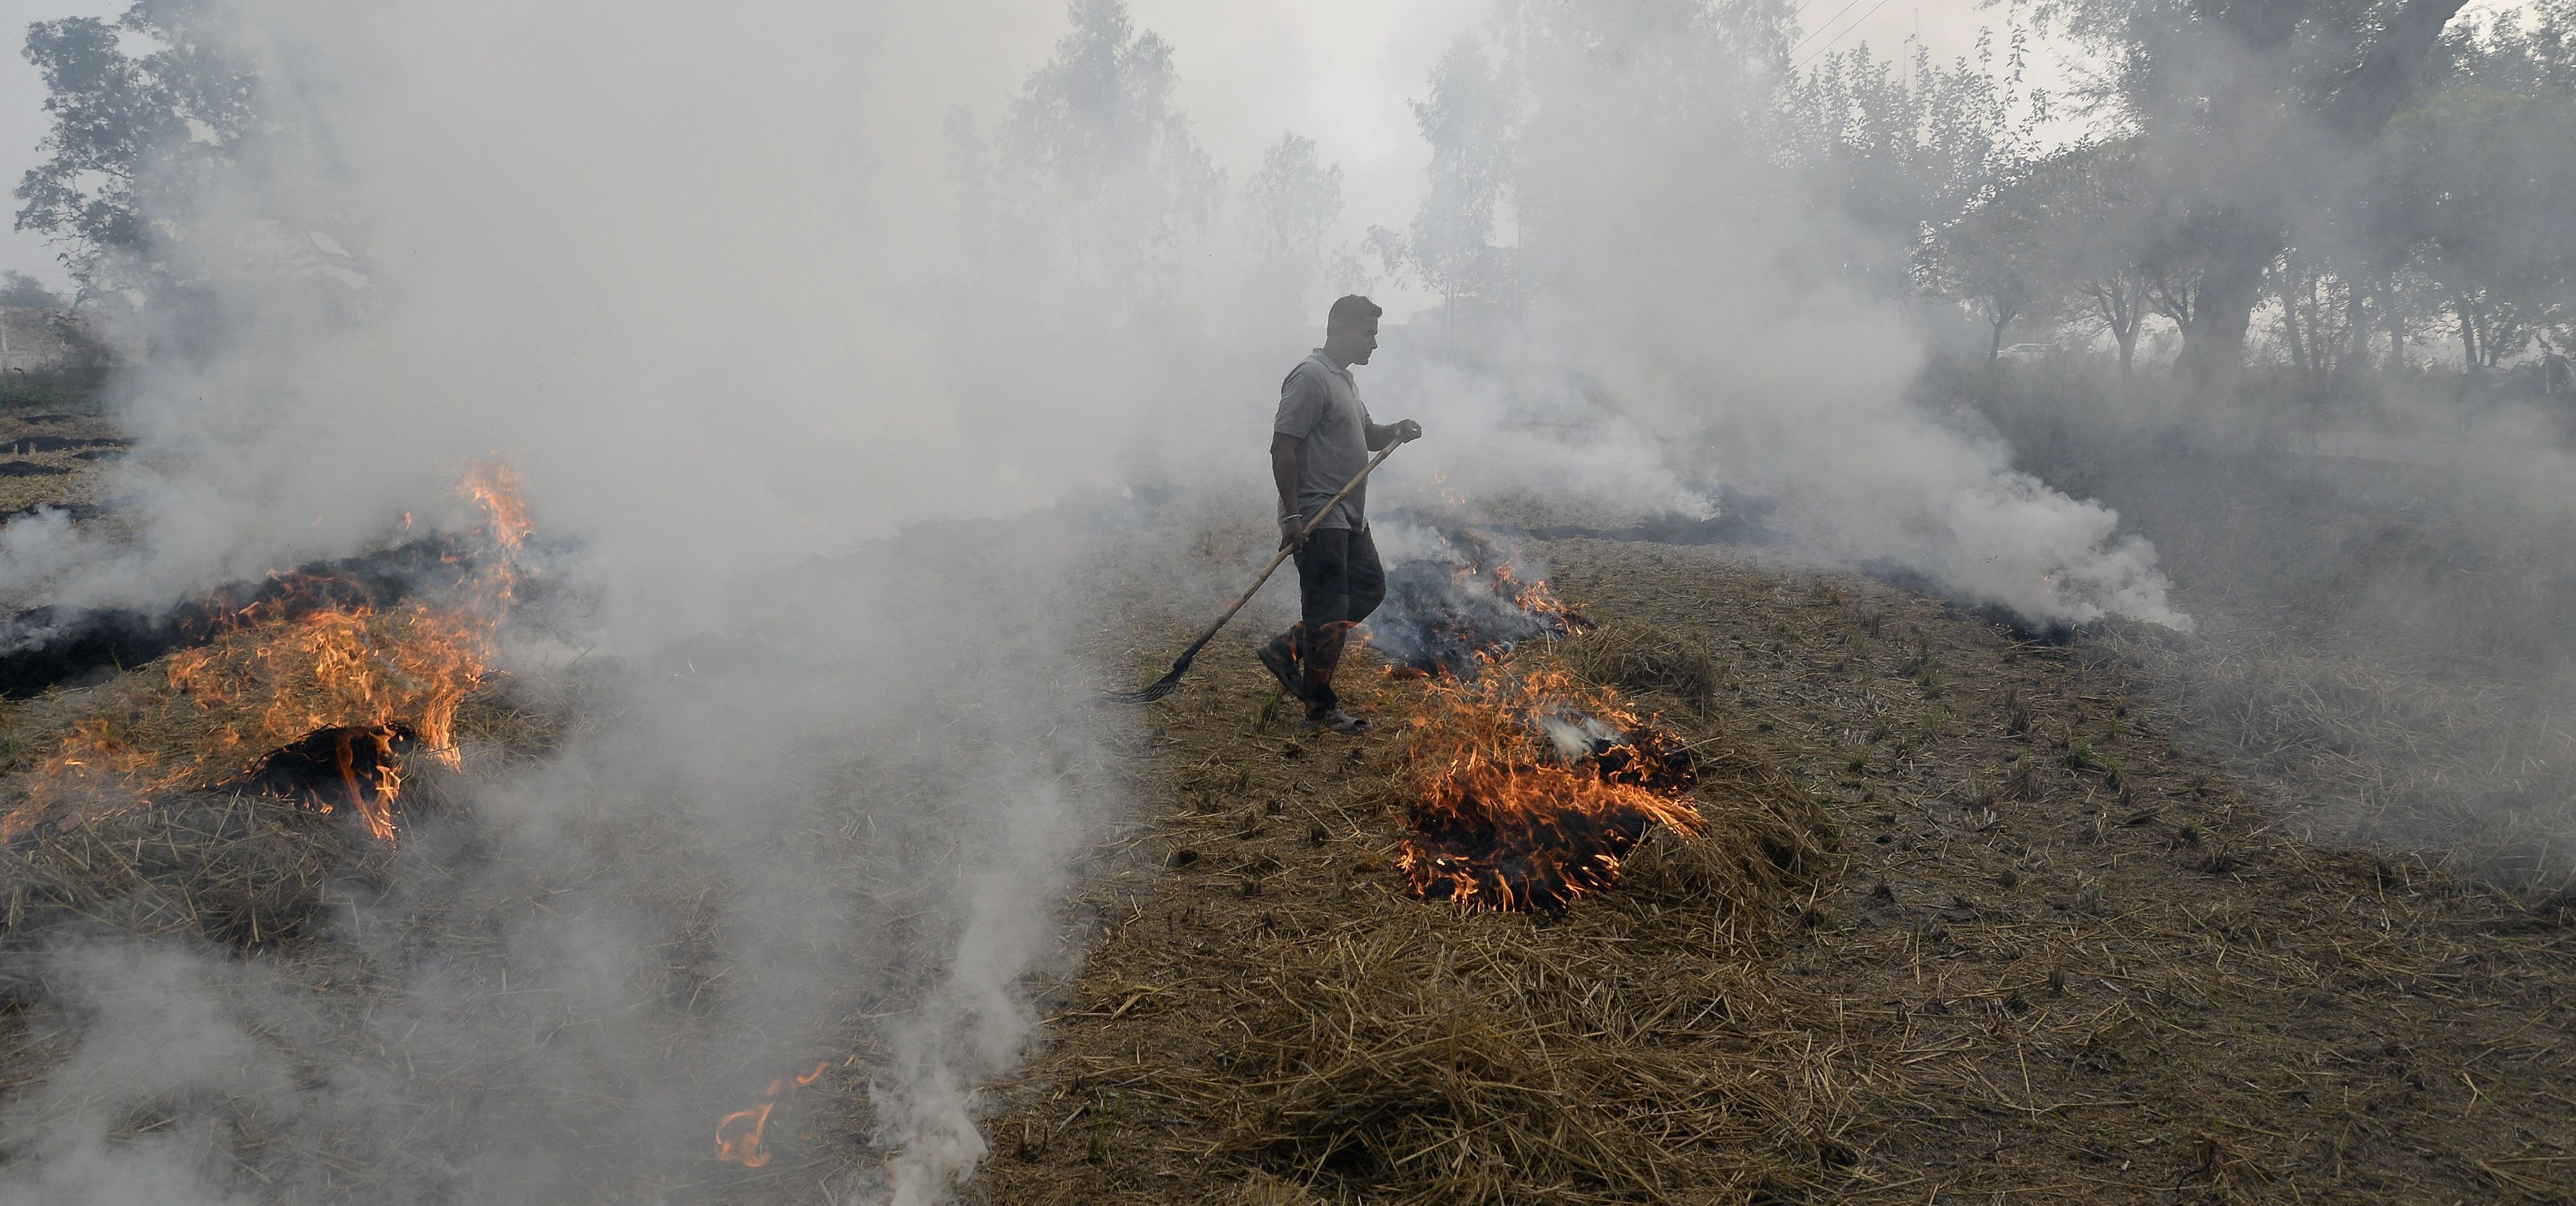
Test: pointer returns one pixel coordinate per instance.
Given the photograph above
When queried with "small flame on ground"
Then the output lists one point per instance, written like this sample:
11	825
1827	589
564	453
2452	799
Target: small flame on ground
738	1133
496	488
272	678
358	767
1536	598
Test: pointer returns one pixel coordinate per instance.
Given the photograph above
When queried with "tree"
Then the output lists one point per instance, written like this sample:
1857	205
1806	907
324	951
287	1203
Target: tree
2477	175
1293	203
2323	317
1908	152
1993	260
1095	158
1469	120
2094	205
135	139
2251	109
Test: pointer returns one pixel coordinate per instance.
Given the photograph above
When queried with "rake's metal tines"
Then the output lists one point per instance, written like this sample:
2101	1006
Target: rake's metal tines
1155	690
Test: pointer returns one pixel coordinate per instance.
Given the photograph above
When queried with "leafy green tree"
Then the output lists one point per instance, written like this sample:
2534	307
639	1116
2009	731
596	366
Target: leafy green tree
2526	49
136	138
2471	182
1909	150
2485	179
1993	259
2322	315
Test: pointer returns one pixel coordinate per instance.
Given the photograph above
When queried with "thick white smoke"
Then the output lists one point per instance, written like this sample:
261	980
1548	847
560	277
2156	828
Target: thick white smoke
1705	292
685	271
697	274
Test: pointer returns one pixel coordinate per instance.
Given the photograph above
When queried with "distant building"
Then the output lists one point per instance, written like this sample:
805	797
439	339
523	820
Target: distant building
50	344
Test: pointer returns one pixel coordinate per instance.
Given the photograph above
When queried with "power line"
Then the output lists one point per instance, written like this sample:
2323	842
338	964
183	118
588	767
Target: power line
1829	24
1864	20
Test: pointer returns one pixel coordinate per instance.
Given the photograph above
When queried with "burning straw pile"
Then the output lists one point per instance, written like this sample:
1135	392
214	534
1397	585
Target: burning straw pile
1532	782
1463	605
221	789
1293	1010
1529	784
1516	955
1485	1061
1616	1054
1534	787
320	705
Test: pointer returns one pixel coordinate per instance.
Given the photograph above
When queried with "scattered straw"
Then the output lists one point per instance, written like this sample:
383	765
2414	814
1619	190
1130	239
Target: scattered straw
1967	924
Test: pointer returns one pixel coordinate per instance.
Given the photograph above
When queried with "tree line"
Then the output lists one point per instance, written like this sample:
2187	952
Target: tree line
2356	178
2366	180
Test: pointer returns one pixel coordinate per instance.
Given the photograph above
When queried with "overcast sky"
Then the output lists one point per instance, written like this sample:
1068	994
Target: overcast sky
22	120
1337	71
1341	72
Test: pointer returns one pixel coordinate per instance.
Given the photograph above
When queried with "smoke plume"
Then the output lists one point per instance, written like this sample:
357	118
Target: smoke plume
701	277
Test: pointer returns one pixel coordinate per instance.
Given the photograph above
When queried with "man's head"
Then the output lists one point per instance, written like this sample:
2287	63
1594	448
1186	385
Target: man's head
1350	331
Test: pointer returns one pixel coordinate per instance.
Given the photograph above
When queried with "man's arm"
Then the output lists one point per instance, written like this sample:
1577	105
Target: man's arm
1283	471
1399	432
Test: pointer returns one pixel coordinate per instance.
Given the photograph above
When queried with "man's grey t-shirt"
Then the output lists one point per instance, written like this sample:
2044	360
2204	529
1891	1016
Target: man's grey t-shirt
1320	405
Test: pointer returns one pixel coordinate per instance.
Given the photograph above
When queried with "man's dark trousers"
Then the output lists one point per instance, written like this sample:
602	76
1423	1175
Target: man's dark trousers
1339	582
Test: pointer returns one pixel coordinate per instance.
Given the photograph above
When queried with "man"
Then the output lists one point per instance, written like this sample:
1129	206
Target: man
1320	441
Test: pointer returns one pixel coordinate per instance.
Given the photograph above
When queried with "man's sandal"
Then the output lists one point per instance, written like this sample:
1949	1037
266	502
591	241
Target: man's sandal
1341	722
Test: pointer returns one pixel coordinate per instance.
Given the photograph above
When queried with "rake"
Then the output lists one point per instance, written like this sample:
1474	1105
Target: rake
1172	678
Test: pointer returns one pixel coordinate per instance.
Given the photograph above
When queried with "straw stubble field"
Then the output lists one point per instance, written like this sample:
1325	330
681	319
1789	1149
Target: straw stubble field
1970	924
47	457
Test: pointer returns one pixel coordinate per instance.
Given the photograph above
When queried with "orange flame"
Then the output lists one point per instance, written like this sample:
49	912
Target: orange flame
495	487
738	1133
1452	636
1535	787
270	677
1536	598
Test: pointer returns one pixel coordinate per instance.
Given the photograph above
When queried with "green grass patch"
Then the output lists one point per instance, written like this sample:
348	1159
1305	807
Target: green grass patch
17	396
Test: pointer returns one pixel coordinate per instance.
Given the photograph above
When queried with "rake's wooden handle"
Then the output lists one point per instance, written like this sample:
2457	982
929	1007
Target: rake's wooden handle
1285	550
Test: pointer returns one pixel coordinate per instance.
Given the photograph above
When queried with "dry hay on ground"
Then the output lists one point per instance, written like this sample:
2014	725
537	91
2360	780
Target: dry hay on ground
1638	658
2464	768
2058	957
180	874
235	870
2055	956
1482	1057
1473	1060
240	871
1355	1037
2383	640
